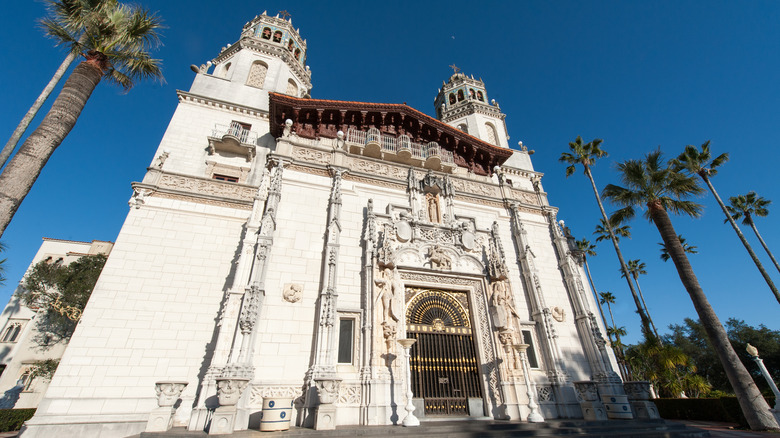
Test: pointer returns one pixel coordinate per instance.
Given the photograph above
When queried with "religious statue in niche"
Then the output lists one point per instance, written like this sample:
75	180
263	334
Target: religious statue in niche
501	303
292	292
389	287
434	212
439	259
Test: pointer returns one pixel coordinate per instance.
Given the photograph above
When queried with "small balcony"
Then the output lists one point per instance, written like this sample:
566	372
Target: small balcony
399	149
233	140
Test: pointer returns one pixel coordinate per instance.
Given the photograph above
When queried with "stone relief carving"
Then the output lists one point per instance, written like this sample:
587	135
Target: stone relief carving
439	258
433	207
558	314
501	303
311	155
292	292
258	392
349	395
207	187
546	394
253	298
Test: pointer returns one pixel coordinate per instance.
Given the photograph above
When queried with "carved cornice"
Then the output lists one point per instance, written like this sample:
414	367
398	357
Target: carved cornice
185	96
194	189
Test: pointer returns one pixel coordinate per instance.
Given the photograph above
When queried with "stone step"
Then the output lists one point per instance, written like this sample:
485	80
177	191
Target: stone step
476	428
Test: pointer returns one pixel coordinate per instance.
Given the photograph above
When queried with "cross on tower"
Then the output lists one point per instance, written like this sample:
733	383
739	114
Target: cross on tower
454	68
284	14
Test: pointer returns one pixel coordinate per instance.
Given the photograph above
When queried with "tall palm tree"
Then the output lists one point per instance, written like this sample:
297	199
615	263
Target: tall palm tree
588	249
77	16
117	50
637	268
689	249
608	298
586	154
602	231
659	188
2	265
746	207
702	164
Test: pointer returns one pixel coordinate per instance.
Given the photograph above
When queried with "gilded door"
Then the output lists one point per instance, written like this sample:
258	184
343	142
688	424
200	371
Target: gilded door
445	370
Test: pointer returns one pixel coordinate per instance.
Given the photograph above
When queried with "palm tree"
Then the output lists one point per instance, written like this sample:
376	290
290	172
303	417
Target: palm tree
702	164
588	249
77	16
608	298
117	50
637	268
660	188
690	249
602	231
586	154
747	206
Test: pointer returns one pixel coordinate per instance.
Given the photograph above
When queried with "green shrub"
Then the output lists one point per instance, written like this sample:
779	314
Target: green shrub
725	409
13	419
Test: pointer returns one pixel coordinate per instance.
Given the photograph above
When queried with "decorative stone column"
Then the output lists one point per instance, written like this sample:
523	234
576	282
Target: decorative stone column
328	393
410	420
639	396
534	416
228	392
161	418
753	351
588	395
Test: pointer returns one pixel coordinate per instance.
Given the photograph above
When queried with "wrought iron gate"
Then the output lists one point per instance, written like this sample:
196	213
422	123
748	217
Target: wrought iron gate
445	371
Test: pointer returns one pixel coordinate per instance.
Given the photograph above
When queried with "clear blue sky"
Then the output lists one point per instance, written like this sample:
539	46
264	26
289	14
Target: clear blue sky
638	74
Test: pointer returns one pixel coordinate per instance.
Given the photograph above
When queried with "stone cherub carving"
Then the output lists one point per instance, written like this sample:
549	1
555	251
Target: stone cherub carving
292	292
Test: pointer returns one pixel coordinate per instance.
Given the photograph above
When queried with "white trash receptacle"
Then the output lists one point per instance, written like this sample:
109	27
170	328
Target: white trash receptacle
276	414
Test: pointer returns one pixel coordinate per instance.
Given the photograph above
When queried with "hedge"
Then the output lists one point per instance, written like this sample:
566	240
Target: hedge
725	409
13	419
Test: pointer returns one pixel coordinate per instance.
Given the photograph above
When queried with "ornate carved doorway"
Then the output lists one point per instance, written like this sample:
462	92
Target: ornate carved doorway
445	370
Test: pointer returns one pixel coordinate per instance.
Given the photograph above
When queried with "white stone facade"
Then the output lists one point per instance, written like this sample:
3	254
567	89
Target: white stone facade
243	250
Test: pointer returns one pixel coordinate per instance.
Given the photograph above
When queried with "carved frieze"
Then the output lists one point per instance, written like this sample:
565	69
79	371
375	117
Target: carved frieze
208	187
311	155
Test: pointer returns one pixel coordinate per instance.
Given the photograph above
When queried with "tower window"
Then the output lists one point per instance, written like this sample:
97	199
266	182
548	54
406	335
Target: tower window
290	45
257	73
11	332
297	54
452	98
480	97
492	135
266	33
472	95
278	36
292	88
460	95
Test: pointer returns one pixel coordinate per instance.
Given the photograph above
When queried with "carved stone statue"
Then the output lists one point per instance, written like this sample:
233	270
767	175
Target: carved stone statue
439	259
387	287
501	301
292	292
558	314
434	212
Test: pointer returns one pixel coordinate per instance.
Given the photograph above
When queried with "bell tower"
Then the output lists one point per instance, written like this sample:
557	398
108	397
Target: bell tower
462	102
269	56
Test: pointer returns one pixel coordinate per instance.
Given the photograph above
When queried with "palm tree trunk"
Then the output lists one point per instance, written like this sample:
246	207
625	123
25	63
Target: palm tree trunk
766	248
598	301
31	113
741	237
18	177
642	316
642	297
751	401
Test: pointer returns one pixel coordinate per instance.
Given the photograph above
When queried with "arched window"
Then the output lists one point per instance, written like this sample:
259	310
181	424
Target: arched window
11	332
278	36
492	135
290	45
225	69
297	54
257	73
472	95
480	97
460	95
463	127
452	98
266	33
292	88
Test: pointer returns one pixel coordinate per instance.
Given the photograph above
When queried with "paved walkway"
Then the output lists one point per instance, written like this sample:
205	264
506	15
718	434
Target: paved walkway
726	430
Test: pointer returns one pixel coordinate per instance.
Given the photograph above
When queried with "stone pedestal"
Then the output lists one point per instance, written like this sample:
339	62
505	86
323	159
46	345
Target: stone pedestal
588	396
168	393
228	392
639	396
328	392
